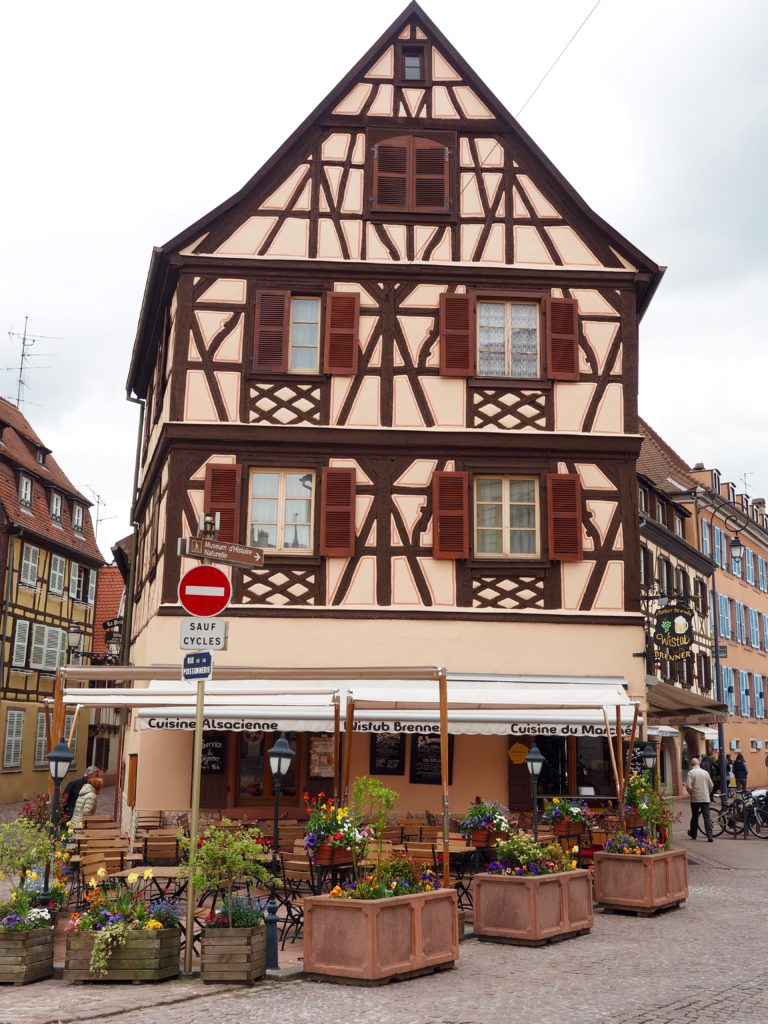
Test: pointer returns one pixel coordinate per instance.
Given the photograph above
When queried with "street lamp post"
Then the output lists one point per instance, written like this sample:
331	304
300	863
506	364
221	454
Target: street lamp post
737	551
280	759
535	762
649	756
59	760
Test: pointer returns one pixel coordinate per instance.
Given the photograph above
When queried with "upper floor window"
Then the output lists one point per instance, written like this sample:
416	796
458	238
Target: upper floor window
679	528
749	566
281	510
25	491
77	518
14	730
732	493
57	575
30	557
507	516
304	336
287	333
508	339
661	511
412	63
643	498
411	174
40	456
700	596
55	508
646	567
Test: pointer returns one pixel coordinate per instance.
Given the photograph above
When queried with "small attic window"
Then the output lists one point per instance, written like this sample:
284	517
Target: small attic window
25	492
412	65
40	455
77	518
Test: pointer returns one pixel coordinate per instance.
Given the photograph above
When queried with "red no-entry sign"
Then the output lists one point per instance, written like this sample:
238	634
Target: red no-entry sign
204	590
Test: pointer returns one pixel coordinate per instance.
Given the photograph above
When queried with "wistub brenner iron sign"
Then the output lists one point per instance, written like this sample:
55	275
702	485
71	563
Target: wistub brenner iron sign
673	633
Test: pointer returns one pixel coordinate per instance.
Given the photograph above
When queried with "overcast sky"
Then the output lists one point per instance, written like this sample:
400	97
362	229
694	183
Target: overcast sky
123	124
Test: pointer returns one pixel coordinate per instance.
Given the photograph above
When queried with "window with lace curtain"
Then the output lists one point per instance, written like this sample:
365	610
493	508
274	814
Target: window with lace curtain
508	339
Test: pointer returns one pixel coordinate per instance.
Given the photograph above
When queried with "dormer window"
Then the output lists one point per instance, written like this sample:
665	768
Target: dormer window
643	497
412	65
56	508
716	481
732	493
25	492
40	455
77	518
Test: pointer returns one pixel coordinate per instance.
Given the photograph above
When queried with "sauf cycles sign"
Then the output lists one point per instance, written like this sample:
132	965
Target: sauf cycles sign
673	633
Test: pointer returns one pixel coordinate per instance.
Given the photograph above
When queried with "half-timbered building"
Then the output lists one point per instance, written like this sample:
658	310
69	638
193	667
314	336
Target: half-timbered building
401	360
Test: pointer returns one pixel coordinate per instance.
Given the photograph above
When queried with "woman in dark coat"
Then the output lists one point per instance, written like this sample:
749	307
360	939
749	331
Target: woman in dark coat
740	771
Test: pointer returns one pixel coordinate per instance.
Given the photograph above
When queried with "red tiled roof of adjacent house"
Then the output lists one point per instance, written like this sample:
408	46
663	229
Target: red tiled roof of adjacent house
109	594
661	464
19	445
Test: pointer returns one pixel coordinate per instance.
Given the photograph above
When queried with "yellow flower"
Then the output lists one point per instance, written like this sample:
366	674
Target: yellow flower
573	864
32	874
92	882
133	877
336	891
13	897
147	874
2	875
66	857
555	799
102	872
152	924
574	849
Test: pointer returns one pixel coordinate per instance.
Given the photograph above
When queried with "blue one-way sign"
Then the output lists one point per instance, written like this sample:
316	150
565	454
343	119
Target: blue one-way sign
197	666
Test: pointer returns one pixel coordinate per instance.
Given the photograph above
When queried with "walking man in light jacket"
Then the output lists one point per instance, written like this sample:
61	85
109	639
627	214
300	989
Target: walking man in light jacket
699	786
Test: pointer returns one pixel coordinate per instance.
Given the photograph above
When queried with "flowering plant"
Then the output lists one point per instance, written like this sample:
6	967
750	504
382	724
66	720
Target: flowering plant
521	855
565	810
237	912
485	815
395	876
21	913
622	842
337	825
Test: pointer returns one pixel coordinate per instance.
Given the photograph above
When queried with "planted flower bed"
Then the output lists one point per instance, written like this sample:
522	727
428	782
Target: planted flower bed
26	935
639	875
234	943
485	824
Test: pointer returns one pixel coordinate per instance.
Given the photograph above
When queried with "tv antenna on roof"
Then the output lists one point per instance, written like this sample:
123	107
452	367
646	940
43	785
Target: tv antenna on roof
100	504
745	482
28	341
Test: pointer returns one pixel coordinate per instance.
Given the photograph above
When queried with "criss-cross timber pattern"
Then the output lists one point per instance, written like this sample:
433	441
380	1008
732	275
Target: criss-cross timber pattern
507	592
508	410
284	403
279	587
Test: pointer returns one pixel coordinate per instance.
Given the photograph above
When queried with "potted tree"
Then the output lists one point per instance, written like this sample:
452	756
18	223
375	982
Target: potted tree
641	875
26	935
532	894
485	823
234	939
394	922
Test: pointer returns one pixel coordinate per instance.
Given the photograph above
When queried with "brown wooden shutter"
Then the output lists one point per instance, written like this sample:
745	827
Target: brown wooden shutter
429	176
342	322
337	513
391	160
450	515
562	339
222	495
564	517
457	335
270	342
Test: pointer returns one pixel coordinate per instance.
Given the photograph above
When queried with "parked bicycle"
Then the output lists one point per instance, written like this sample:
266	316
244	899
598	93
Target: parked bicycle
744	809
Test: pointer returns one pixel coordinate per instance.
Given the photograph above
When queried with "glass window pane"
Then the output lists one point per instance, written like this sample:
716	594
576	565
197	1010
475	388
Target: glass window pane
524	315
296	536
492	314
489	515
306	310
522	516
304	359
264	485
523	542
264	510
264	536
252	764
522	491
489	542
304	334
297	511
488	489
298	485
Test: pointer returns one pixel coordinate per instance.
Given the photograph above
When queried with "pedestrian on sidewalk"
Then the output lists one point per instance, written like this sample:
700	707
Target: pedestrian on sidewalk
86	801
699	786
740	771
72	791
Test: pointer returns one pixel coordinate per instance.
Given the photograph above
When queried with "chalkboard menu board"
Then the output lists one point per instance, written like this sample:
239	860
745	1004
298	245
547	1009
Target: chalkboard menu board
425	760
387	754
213	753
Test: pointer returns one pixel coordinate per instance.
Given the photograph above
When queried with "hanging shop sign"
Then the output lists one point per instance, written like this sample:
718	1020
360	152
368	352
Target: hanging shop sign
673	633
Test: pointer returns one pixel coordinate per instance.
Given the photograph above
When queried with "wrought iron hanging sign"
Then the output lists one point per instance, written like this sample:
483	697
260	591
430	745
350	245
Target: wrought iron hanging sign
673	633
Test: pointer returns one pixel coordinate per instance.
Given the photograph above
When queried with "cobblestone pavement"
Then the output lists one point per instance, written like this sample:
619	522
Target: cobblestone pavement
701	964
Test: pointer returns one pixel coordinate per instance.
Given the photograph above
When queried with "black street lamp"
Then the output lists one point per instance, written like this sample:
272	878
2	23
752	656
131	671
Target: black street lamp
649	756
280	759
59	760
535	762
74	635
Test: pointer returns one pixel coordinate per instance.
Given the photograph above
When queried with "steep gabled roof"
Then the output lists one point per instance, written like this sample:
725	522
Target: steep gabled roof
661	464
162	275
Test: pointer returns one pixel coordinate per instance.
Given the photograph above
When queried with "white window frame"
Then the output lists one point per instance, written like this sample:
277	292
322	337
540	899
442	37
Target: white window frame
92	577
744	697
281	474
57	575
56	508
508	303
47	647
25	492
679	526
643	498
305	298
14	735
30	560
20	643
506	553
78	519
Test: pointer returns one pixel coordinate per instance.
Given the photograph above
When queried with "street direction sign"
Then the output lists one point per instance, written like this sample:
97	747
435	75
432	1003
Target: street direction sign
203	634
220	551
197	666
204	591
722	651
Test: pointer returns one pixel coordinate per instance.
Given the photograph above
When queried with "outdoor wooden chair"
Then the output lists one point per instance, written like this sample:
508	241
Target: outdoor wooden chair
298	876
161	849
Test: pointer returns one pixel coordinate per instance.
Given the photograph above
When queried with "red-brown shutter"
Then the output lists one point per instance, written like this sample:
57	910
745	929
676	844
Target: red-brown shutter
391	160
457	335
450	515
562	339
270	343
342	321
564	517
337	513
430	176
222	495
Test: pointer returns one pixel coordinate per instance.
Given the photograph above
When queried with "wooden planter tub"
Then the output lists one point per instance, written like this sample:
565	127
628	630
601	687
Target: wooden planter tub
531	911
233	954
484	837
376	941
26	956
148	955
642	884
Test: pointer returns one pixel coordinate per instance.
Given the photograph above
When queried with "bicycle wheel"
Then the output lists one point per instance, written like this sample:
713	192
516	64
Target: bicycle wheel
757	822
718	823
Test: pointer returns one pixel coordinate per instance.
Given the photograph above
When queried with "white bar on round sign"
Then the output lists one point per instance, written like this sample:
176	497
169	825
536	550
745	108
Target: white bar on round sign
204	591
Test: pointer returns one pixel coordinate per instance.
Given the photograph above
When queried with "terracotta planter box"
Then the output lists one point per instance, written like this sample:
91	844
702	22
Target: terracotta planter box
146	956
532	911
568	828
633	821
233	954
329	856
26	956
376	941
642	884
484	837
